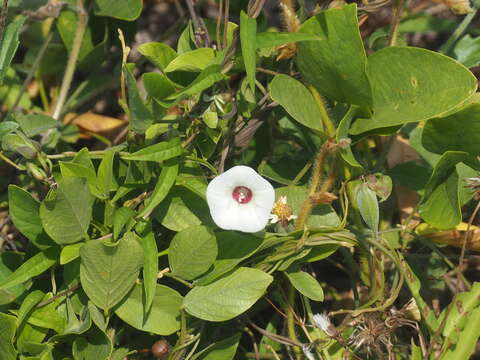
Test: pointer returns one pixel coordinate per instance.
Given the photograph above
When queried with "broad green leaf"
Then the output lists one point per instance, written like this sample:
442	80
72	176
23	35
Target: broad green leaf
195	60
305	283
47	316
66	211
158	152
229	296
120	9
342	134
105	174
74	325
302	107
157	85
440	206
140	117
24	211
20	144
34	124
165	182
457	132
95	346
233	247
97	316
150	264
108	272
28	335
181	209
272	39
336	66
28	304
32	267
79	170
368	205
248	32
412	84
192	252
9	44
70	253
159	54
8	295
164	316
7	332
222	350
322	215
467	51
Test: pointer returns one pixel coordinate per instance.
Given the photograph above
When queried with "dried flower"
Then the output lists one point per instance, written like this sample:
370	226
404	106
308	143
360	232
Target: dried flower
240	199
322	321
282	212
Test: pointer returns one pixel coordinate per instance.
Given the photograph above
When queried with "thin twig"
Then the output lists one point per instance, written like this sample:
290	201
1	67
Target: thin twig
397	15
59	295
226	11
3	17
201	32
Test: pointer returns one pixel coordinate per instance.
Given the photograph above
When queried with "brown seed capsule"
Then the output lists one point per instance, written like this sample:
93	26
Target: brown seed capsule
160	349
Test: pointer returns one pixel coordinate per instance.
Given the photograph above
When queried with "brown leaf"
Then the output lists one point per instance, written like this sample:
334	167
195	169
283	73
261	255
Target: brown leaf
94	123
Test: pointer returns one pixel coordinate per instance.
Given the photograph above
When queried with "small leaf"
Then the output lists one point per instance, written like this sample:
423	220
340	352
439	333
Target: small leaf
467	51
222	350
95	123
119	9
121	217
150	265
28	304
163	318
195	60
159	152
157	85
248	31
70	253
192	252
9	44
34	266
140	117
159	54
305	284
24	211
108	272
6	127
96	346
295	98
105	174
229	296
34	124
368	206
272	39
165	182
67	210
7	333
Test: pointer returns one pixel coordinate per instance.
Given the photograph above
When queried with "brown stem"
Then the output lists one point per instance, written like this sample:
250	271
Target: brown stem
397	15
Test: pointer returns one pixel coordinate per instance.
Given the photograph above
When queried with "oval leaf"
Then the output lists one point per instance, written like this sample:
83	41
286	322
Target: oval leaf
305	284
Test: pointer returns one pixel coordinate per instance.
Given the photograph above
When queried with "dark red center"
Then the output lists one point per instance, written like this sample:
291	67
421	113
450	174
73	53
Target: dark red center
242	194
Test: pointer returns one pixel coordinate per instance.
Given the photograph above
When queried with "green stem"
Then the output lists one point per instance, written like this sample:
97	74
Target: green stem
447	46
330	129
72	59
291	319
186	283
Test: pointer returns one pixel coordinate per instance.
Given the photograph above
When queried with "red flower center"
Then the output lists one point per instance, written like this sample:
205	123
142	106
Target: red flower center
242	194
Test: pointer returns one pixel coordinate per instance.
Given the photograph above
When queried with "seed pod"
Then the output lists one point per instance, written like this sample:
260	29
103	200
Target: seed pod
160	349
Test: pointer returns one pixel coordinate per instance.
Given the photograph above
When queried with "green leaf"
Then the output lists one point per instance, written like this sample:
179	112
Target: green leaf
108	272
302	107
140	117
229	296
120	9
9	44
305	283
192	252
158	152
233	247
272	39
105	174
407	86
28	304
95	346
150	264
20	144
34	124
222	350
67	210
195	60
440	205
157	85
121	217
248	31
47	316
24	211
165	182
70	253
78	170
468	338
6	127
342	134
457	132
336	66
8	295
467	51
34	266
368	205
163	318
7	332
157	53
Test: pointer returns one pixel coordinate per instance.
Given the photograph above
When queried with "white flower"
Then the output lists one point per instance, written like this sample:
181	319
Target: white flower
240	199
